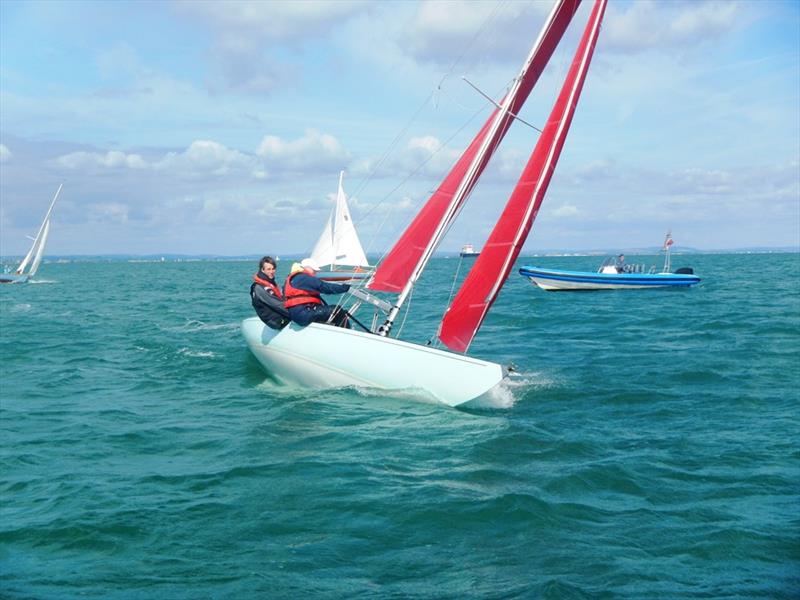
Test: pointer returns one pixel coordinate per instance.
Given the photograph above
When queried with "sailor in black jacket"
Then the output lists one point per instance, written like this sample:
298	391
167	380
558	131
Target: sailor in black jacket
267	297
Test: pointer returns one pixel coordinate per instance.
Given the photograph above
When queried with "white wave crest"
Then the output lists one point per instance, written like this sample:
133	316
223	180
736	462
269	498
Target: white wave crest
196	353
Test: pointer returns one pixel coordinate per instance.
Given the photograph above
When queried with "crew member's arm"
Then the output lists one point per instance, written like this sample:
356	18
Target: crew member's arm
305	282
272	301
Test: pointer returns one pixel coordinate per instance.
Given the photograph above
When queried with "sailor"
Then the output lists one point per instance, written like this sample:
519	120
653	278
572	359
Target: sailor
620	264
303	296
267	297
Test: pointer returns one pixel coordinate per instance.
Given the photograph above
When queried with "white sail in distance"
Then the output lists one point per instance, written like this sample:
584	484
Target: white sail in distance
339	244
37	248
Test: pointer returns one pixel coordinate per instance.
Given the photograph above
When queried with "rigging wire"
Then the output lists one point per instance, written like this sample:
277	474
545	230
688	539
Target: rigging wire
432	96
408	309
434	339
480	32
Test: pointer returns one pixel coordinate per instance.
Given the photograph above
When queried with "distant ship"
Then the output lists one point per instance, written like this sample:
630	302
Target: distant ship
468	251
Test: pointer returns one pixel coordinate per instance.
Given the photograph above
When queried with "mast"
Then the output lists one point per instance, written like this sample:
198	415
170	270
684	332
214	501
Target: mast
490	271
408	258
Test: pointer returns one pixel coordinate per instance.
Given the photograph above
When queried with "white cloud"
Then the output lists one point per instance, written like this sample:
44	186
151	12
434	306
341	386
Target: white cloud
427	143
313	150
5	153
112	159
202	157
668	25
424	157
565	211
205	157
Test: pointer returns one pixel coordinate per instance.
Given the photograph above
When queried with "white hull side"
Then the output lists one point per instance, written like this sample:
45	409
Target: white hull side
551	285
322	356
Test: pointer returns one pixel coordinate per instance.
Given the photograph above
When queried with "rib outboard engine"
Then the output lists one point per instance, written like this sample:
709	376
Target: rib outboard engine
684	271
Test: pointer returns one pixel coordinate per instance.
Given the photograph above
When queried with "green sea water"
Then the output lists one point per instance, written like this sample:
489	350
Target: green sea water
646	448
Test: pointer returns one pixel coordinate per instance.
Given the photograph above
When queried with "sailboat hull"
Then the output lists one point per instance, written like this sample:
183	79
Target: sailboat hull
5	278
554	280
322	356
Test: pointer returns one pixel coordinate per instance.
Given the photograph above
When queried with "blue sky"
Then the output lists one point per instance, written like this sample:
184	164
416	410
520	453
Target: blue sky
209	127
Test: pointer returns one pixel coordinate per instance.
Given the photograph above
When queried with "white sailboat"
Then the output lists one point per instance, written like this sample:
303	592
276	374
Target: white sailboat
321	355
338	250
30	264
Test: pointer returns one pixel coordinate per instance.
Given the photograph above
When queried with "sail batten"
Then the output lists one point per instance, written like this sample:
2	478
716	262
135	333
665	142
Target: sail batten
480	288
408	257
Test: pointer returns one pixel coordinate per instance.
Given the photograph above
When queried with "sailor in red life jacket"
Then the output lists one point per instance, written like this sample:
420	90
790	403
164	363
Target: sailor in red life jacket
267	297
302	292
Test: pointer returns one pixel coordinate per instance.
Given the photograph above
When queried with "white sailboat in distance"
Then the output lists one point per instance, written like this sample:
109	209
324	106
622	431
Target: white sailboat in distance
30	264
321	355
338	250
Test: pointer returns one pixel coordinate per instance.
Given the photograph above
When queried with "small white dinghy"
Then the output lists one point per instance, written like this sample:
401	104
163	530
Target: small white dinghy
338	249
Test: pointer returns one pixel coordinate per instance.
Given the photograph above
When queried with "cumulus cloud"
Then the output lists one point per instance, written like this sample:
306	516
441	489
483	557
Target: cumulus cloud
424	156
428	143
205	157
313	150
114	159
274	158
202	157
5	153
565	211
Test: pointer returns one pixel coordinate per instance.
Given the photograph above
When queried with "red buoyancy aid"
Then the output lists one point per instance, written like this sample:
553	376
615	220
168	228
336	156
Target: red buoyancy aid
268	284
295	296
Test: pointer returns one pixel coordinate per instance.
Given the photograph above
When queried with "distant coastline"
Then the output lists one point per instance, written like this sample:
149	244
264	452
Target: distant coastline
166	257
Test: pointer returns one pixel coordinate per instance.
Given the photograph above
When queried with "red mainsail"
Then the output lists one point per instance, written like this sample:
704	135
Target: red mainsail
480	288
409	252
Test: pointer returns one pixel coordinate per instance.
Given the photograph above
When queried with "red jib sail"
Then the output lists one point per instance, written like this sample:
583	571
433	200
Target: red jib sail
481	286
409	251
